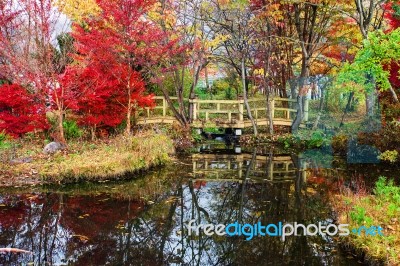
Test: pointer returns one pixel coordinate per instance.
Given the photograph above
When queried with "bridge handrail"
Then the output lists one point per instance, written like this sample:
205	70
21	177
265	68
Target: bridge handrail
229	108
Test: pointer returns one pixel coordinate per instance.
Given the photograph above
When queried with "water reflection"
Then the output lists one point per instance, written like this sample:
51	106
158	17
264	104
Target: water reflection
144	222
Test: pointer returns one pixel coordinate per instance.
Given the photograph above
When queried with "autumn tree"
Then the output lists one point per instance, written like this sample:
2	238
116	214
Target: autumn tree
233	21
78	10
392	16
28	50
378	50
183	21
20	113
311	20
111	49
273	50
369	16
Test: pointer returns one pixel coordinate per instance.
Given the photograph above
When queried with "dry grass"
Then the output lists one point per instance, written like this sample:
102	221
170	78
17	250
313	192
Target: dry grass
379	209
90	161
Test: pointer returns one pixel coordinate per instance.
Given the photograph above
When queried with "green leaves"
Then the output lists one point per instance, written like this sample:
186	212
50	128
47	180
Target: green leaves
368	68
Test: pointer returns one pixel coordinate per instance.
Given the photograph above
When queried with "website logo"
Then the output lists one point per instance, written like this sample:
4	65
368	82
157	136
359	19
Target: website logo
280	230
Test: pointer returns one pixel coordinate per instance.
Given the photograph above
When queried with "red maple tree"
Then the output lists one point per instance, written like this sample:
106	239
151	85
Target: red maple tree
111	50
19	111
28	56
392	15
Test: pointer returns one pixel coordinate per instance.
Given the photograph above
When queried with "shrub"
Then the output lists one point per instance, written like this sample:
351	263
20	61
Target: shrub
20	111
317	140
389	156
71	130
4	143
339	144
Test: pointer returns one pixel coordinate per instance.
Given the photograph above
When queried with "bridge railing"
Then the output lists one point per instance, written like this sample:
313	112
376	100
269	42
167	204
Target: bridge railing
161	108
224	112
280	108
217	109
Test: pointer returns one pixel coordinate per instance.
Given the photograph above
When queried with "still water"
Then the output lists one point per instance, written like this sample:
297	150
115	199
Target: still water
144	221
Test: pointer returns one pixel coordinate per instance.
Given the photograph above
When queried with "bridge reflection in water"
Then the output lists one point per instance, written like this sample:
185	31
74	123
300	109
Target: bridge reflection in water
238	168
255	166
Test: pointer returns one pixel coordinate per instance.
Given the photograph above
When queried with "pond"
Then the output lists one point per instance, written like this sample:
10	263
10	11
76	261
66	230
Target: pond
145	221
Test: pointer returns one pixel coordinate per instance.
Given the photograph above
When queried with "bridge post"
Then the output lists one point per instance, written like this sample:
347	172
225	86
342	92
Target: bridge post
164	105
306	107
192	108
273	108
241	108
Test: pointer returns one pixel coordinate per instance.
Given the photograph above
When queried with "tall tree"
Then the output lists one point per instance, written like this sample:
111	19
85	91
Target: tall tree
233	21
112	48
273	50
311	20
28	50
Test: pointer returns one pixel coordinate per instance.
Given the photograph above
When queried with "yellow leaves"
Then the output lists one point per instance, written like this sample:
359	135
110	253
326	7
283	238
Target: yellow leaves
259	72
218	39
77	10
271	10
166	15
83	216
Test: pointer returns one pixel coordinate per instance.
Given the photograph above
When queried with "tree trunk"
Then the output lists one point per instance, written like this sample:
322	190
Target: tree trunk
347	108
246	102
299	115
61	126
321	108
128	122
128	112
270	113
396	100
93	132
206	80
300	99
370	104
181	119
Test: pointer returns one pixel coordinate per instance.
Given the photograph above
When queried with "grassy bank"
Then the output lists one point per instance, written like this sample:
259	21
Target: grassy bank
91	161
382	208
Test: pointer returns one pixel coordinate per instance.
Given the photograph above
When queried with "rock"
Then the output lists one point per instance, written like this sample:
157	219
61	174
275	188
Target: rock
21	160
53	147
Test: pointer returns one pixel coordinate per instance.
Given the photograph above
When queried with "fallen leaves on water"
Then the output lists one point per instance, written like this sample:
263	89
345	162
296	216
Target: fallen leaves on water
103	200
172	199
14	250
81	238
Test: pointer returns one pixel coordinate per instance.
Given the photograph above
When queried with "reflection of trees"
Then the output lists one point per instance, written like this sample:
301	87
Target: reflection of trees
36	228
252	202
96	229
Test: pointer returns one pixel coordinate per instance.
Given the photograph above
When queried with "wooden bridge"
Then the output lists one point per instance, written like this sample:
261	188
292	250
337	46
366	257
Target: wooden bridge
235	168
224	113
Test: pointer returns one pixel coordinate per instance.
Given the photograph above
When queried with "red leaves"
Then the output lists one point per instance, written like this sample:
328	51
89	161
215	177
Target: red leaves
394	22
19	112
391	16
104	86
109	50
